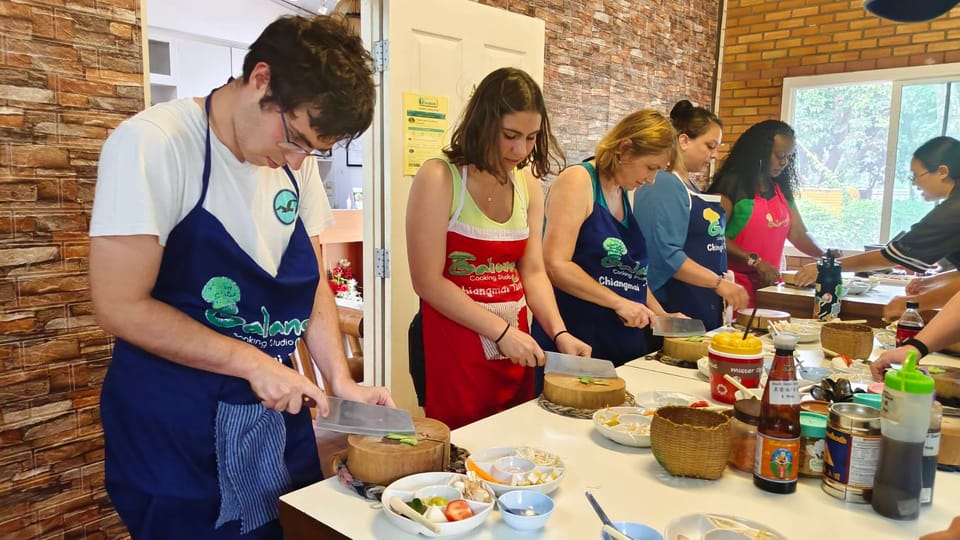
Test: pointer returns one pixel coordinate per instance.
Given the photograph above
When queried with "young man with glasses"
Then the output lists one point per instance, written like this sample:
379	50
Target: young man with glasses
205	264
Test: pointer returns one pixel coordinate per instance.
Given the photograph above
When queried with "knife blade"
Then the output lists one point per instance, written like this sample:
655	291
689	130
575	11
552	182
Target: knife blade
677	327
579	366
347	416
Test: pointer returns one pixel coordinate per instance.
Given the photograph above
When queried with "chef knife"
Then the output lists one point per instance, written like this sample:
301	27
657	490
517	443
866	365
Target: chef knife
347	416
677	327
579	366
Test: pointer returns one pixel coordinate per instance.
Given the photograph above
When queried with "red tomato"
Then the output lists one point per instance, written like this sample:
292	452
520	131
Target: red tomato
699	404
457	510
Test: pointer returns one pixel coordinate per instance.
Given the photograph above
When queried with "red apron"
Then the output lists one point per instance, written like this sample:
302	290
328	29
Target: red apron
764	234
468	379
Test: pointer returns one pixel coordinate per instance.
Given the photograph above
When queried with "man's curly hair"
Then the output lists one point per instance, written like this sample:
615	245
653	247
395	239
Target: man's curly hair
319	63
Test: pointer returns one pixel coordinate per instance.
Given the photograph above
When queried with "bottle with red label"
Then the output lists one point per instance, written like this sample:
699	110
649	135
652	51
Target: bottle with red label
778	433
910	323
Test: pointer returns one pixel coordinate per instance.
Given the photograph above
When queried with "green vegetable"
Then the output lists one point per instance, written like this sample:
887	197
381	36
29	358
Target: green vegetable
695	339
591	380
933	370
404	439
418	505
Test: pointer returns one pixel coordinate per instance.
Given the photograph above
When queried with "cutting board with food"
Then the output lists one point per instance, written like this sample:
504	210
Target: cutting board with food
381	460
583	392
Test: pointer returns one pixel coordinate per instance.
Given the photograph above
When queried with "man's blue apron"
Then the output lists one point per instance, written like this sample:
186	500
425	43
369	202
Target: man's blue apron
191	453
707	247
616	256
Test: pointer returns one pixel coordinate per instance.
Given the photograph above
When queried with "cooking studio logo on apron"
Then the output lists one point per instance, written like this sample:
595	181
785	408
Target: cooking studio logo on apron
462	264
222	293
713	218
616	249
285	206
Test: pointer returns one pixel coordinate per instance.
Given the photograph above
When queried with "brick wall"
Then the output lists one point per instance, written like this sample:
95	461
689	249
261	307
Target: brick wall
69	71
607	58
767	40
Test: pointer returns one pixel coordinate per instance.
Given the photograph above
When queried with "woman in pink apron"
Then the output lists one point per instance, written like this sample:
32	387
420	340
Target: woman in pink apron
473	261
756	185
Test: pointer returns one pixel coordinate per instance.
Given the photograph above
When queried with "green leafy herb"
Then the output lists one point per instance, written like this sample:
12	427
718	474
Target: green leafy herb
418	505
591	380
401	438
695	339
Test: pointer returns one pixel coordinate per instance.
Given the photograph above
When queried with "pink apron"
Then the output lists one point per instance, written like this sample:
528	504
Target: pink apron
764	234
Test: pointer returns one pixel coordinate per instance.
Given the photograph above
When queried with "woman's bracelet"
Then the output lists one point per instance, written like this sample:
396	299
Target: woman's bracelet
920	346
719	281
558	334
505	330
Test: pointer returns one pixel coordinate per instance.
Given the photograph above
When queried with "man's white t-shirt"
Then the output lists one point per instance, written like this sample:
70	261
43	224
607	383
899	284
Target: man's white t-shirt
151	175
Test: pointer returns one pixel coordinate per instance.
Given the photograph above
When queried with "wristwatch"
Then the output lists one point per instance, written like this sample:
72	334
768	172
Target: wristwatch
753	259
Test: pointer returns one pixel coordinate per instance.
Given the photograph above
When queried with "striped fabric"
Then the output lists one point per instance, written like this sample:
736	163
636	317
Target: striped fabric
250	466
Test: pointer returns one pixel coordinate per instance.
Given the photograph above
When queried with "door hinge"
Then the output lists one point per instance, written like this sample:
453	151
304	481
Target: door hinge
381	56
382	264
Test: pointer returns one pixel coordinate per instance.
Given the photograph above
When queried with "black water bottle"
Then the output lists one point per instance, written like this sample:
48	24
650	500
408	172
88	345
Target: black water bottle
826	296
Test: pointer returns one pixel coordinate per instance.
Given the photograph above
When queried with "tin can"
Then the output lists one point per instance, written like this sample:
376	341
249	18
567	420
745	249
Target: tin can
852	453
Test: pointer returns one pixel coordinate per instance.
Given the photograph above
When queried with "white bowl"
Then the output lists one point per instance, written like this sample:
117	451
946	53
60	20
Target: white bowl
546	463
703	366
511	469
539	503
696	526
630	427
406	487
637	531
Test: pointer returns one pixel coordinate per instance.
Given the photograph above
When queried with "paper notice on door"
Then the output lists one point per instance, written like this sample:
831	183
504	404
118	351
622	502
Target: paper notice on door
425	123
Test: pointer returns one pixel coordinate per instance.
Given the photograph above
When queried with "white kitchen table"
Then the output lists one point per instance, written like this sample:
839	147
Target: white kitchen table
628	483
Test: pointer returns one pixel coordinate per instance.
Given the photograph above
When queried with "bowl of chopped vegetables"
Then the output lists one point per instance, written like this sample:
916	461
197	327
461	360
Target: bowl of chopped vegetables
624	425
545	477
454	503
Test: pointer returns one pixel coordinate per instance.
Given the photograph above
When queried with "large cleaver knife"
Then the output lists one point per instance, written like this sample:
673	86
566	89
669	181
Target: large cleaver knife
347	416
677	327
579	366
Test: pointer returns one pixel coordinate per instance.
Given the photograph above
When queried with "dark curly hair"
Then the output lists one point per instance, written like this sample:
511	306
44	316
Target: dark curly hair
749	159
475	138
319	63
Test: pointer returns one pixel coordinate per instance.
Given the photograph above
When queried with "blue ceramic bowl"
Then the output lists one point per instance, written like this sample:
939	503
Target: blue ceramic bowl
637	531
540	504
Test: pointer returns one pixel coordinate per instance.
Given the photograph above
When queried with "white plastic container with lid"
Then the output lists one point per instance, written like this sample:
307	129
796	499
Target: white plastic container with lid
904	421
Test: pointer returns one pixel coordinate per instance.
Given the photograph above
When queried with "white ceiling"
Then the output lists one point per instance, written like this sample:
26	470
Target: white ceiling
313	6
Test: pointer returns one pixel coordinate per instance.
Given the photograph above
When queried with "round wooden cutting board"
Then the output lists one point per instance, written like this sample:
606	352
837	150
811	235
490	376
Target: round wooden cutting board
568	391
380	461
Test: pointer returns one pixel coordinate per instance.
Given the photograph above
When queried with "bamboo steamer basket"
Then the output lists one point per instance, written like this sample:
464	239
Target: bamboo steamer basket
853	340
380	461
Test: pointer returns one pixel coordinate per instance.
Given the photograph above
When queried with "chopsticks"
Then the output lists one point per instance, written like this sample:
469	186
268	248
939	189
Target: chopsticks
749	322
740	386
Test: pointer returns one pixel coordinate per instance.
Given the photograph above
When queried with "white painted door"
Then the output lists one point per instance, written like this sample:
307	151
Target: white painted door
436	47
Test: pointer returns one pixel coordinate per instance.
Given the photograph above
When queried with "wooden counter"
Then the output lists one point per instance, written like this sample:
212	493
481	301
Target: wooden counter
799	302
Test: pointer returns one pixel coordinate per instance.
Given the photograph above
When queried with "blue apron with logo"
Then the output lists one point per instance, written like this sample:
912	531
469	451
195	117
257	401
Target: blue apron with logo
191	453
616	256
707	247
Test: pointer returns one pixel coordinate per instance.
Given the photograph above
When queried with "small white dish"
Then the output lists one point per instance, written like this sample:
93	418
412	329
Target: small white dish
661	398
408	485
703	366
547	464
697	526
511	469
624	425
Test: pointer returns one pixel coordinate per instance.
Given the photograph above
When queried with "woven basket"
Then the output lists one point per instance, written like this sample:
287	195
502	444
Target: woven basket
853	340
690	442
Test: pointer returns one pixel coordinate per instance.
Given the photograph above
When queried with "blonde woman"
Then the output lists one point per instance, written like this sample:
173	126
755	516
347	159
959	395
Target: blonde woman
594	251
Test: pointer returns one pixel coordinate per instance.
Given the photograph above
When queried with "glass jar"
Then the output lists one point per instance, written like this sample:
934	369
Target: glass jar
813	429
743	434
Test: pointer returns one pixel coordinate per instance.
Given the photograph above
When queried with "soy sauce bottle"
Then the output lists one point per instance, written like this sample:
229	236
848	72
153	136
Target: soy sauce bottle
910	323
904	422
778	434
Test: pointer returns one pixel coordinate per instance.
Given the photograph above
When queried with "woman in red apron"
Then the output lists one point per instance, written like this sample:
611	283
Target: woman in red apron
756	184
473	261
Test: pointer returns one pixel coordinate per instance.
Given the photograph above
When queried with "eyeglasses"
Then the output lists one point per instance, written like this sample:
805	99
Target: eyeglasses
290	146
914	178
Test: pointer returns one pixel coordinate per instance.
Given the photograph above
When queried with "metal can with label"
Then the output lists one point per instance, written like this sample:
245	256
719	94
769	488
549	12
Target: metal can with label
852	452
